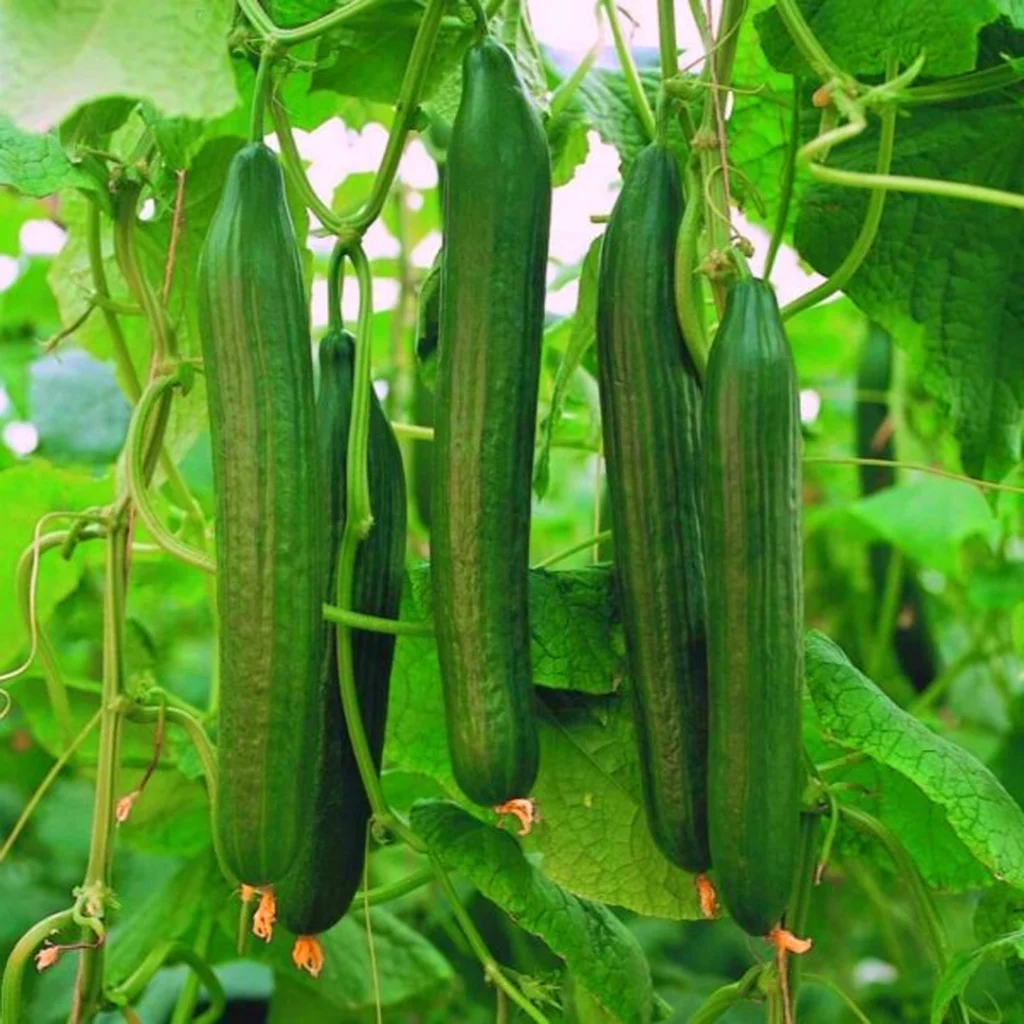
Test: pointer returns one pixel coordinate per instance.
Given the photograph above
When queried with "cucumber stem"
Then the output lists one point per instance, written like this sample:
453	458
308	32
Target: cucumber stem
629	71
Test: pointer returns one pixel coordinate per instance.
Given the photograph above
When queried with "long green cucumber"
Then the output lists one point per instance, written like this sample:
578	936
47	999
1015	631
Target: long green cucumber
912	640
270	539
317	891
752	544
496	222
651	421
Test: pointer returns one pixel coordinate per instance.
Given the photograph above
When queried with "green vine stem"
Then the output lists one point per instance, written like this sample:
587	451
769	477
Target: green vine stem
89	984
598	538
185	720
887	616
563	95
411	430
799	906
481	17
351	226
668	49
395	627
14	970
920	186
292	162
858	1014
406	107
301	33
263	88
808	45
48	780
395	890
916	467
711	146
26	579
689	291
788	179
872	217
492	970
975	83
135	472
629	71
733	13
933	935
358	522
122	356
146	714
511	16
125	208
723	999
184	1009
166	954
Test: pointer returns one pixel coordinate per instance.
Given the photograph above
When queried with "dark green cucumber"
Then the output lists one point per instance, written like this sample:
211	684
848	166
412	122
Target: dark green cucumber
752	547
496	220
270	538
317	891
912	641
650	417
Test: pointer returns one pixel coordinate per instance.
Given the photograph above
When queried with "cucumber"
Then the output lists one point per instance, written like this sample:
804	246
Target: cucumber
496	220
317	891
752	543
913	642
270	539
651	422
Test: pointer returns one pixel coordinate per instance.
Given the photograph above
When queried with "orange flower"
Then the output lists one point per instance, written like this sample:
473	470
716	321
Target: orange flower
307	955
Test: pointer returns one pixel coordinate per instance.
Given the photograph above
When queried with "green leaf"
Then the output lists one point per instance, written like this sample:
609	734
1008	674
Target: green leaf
27	306
601	952
567	139
589	789
28	491
760	125
589	783
961	969
943	275
858	716
860	36
577	640
928	519
170	52
368	55
406	965
36	165
1000	911
15	210
168	913
581	337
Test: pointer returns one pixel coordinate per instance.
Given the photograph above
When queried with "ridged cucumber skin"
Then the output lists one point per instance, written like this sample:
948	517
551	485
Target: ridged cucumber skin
912	640
752	544
270	540
317	891
496	221
651	421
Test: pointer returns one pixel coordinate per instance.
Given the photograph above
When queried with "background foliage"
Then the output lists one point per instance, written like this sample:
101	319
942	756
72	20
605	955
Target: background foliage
593	920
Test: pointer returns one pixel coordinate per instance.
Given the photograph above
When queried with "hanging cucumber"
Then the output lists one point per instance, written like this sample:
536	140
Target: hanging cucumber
752	544
912	640
650	416
496	221
318	889
270	537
